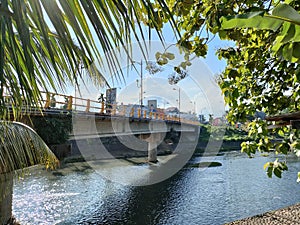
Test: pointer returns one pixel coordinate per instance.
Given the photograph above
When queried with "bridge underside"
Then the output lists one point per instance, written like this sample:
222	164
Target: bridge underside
117	147
97	136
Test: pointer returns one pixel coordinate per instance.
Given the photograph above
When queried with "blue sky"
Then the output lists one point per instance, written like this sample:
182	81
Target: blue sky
198	91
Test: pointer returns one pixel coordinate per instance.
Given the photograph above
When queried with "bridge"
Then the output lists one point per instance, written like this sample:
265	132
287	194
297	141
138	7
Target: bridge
135	127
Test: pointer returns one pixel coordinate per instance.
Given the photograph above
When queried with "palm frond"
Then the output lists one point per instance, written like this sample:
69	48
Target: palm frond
43	41
21	146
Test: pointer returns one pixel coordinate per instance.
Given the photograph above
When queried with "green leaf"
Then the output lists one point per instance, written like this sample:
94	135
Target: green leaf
284	148
183	65
277	172
281	133
287	51
288	31
270	171
296	50
296	37
250	20
162	61
259	20
157	55
169	55
287	12
235	93
22	147
222	34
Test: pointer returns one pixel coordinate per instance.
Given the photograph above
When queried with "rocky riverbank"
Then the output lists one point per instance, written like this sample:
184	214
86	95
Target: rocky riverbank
287	216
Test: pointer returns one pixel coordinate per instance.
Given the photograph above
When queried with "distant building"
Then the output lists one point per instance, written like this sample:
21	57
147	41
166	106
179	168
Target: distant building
172	111
160	111
189	116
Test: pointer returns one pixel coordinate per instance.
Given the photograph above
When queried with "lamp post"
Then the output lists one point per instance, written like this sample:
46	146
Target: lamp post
152	68
141	85
202	115
194	108
178	101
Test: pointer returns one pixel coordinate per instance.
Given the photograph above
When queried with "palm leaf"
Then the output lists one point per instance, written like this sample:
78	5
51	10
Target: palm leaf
44	42
20	147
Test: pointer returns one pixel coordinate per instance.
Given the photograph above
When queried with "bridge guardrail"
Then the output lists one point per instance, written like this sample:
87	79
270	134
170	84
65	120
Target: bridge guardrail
51	100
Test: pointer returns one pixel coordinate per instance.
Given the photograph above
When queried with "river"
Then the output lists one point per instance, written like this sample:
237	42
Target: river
239	188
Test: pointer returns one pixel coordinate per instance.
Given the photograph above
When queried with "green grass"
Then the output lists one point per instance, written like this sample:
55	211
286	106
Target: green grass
209	132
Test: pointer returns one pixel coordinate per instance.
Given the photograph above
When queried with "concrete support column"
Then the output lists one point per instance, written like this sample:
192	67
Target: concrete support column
153	141
6	189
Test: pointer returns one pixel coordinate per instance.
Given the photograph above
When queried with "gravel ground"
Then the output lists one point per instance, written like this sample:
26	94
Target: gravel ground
285	216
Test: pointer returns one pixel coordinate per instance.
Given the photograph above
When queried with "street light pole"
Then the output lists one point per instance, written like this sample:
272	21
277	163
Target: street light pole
194	106
141	84
178	101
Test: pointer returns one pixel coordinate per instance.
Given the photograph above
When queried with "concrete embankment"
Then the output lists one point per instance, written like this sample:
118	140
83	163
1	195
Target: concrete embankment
286	216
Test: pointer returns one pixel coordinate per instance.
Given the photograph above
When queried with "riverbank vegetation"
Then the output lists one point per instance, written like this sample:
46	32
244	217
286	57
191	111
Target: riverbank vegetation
53	130
231	133
230	136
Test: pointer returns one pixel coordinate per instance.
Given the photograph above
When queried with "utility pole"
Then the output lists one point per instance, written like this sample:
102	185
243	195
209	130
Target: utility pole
141	85
178	101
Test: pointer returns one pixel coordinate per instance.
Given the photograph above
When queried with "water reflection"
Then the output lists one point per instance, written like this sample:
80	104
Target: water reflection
215	195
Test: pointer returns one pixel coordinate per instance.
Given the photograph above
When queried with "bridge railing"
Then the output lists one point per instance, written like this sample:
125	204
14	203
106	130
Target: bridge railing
68	102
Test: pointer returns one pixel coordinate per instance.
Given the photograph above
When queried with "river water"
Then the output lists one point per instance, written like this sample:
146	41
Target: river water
237	189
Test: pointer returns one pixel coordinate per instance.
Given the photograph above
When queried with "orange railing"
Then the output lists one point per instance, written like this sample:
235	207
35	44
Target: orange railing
87	105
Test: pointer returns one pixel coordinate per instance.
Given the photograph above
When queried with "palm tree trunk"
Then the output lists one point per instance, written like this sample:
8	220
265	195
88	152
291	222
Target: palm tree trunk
6	189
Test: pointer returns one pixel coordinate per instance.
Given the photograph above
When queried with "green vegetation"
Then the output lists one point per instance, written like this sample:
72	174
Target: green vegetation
46	44
53	130
262	72
231	133
22	148
230	136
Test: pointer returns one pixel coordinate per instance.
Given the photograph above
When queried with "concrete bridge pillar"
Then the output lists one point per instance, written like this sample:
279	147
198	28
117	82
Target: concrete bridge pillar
153	141
6	190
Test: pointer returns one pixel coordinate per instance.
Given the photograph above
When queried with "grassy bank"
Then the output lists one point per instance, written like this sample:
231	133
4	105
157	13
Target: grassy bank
230	137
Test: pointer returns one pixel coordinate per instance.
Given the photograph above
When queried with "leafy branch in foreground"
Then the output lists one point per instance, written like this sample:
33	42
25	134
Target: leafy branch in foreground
263	75
262	72
21	147
284	20
45	43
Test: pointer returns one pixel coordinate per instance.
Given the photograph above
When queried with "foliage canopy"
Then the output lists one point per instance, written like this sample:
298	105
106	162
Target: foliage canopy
262	72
